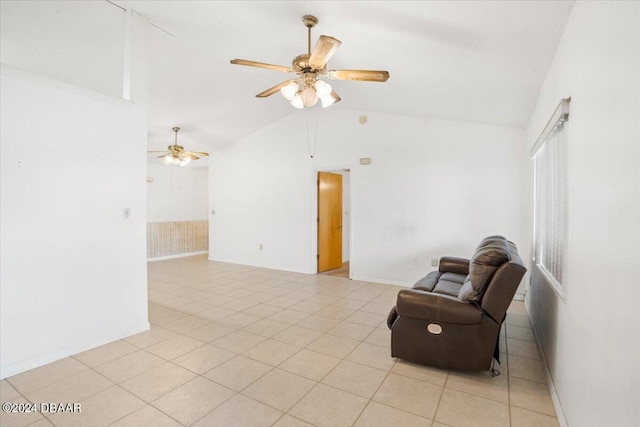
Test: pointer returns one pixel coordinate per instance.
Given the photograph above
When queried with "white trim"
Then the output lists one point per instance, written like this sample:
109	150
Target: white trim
562	421
17	368
553	282
383	281
561	113
268	267
161	258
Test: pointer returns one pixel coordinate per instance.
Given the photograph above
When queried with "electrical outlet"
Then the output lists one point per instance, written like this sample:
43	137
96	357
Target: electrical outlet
213	211
434	262
127	213
260	246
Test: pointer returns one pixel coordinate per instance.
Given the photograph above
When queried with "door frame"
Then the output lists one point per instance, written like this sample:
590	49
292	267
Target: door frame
313	262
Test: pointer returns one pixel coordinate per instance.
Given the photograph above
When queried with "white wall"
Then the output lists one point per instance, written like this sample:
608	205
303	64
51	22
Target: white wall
78	42
177	193
73	270
592	343
434	188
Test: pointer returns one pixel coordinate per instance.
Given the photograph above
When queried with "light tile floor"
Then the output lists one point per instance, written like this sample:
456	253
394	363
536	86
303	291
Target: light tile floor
233	345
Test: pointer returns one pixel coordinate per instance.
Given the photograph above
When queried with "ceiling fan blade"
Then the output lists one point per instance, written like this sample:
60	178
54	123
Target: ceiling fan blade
197	153
164	155
153	151
274	89
262	65
324	50
360	75
189	155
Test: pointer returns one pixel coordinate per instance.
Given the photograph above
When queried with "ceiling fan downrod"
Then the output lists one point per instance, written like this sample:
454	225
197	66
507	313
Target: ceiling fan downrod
310	21
176	129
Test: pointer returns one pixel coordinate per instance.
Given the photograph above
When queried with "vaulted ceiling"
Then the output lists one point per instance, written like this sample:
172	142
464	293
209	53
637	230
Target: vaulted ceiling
479	61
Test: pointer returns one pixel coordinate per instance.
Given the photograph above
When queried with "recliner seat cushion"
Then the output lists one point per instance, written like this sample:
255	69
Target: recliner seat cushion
447	288
428	282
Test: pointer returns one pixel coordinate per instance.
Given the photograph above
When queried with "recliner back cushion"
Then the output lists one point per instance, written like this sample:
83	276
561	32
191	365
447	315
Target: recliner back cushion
491	254
491	239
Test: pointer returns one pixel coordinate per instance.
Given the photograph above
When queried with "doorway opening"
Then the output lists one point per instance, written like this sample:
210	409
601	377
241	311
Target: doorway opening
334	225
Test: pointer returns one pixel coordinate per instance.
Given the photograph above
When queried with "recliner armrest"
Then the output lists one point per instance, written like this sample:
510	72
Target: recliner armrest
450	264
436	308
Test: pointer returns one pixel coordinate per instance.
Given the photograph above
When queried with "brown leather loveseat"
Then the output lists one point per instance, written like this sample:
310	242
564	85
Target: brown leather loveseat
451	318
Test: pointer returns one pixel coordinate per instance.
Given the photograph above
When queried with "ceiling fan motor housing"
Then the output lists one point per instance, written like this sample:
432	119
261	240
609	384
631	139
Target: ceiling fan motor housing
301	65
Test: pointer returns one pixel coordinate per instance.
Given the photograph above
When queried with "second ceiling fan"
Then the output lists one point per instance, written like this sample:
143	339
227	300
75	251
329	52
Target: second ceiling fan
307	88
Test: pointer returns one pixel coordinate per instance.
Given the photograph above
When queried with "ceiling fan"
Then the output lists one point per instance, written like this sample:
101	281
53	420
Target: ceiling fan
177	154
307	88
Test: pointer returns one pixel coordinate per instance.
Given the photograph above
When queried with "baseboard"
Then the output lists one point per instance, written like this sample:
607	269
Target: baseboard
562	421
162	258
36	362
381	280
268	266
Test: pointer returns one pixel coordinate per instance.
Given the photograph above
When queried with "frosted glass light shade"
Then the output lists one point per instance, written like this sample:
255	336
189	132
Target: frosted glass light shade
322	88
166	159
309	96
289	90
297	101
327	101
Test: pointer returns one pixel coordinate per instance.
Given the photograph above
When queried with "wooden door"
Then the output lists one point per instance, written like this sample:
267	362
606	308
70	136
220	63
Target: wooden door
329	221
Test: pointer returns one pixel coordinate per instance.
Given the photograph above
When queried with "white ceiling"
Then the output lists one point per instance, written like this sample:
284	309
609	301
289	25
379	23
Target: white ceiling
479	61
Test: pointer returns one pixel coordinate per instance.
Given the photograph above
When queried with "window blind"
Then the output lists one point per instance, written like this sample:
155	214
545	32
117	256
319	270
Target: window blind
550	199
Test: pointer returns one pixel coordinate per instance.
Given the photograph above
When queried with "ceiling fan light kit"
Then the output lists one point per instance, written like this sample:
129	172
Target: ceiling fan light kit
175	160
308	88
177	154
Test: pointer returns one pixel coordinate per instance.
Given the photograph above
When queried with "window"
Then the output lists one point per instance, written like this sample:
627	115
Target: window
550	199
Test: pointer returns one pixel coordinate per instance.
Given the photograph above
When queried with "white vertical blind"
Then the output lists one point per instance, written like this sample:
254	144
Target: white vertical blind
550	200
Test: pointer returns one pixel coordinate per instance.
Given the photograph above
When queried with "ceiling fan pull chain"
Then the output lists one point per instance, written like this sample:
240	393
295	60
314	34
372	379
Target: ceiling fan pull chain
315	140
312	151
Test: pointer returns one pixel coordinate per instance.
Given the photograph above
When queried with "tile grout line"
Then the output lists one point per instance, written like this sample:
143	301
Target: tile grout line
145	404
317	382
375	392
28	400
444	386
144	372
506	351
241	276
